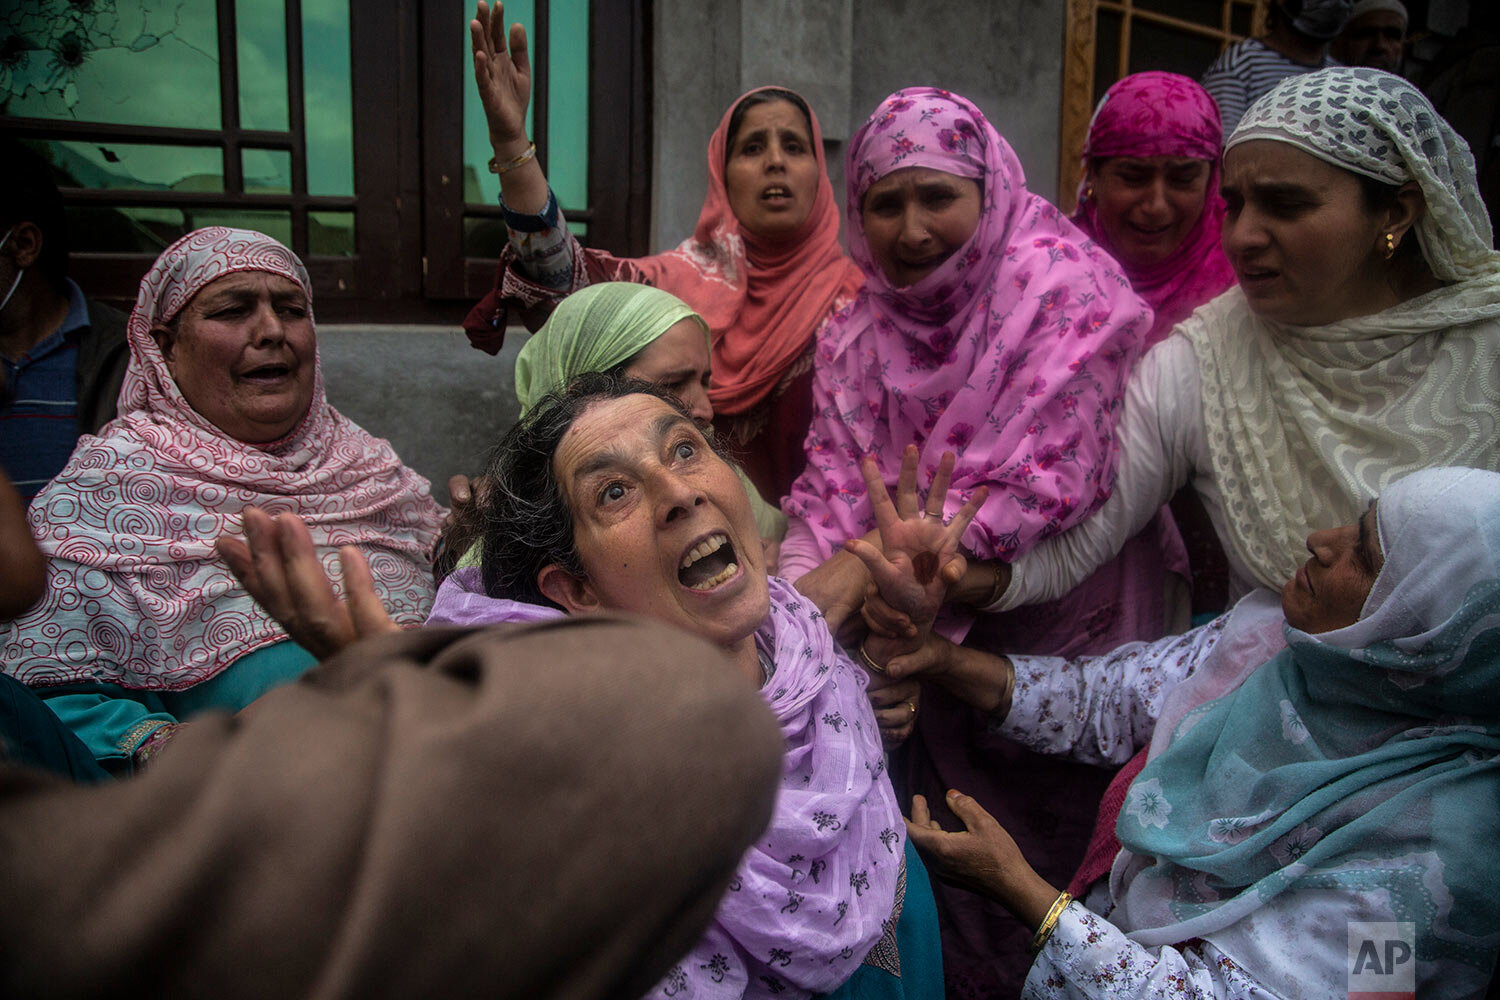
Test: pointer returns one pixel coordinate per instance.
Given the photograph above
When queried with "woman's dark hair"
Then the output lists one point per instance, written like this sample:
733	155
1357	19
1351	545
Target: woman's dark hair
1379	196
768	96
526	521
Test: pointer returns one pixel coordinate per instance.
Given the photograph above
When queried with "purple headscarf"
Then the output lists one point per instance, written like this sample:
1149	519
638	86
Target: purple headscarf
1163	114
813	894
1013	354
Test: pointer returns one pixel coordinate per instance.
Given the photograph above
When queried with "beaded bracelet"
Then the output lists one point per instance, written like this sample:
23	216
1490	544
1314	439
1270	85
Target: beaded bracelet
513	162
1049	923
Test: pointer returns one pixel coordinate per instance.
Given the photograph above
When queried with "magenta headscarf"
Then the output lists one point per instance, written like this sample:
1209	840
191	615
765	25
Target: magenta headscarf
1013	354
1163	114
813	894
136	595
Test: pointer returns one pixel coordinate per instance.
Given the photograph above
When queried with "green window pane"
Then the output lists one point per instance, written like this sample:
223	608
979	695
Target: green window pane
480	186
103	229
267	171
275	224
568	101
124	166
330	234
128	62
260	31
327	99
579	229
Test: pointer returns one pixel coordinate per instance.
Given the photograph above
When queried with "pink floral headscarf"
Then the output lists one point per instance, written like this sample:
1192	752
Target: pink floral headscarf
1164	114
136	595
1013	354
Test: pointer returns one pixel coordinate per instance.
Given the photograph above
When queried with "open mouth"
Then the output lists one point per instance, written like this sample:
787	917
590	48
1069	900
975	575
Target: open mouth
267	373
709	563
922	263
776	193
1253	275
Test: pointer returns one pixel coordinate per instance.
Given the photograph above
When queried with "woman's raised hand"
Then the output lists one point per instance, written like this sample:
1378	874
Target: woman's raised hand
503	77
278	566
918	556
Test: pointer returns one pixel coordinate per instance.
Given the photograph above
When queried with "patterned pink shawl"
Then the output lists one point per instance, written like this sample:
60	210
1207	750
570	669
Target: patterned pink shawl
1013	354
1163	114
136	595
815	892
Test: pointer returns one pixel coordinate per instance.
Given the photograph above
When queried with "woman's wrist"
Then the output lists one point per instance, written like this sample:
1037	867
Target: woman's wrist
1027	896
508	148
983	583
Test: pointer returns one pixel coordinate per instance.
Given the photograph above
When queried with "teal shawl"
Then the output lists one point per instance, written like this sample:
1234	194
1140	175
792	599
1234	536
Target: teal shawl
1354	776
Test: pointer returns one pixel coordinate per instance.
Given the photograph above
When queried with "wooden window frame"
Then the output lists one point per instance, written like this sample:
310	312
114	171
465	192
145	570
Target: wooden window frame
407	121
1079	51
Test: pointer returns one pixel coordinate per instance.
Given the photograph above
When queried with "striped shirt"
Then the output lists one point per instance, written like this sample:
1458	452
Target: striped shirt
1244	73
39	408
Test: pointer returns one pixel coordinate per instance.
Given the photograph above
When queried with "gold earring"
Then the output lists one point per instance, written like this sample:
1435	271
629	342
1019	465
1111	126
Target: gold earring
1390	246
1088	192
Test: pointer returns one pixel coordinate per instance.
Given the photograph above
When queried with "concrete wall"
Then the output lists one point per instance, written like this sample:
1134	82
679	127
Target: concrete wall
440	403
844	56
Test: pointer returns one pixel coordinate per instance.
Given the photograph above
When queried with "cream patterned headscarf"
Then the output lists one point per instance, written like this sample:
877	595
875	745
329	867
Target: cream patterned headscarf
1307	424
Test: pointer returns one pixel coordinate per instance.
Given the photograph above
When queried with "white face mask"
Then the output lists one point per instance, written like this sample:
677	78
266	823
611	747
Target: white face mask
19	272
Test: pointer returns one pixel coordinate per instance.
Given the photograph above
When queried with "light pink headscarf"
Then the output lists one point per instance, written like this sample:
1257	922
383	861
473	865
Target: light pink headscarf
1013	354
136	595
1163	114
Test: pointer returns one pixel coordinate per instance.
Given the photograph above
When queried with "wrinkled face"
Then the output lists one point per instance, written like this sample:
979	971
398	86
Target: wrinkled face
1330	589
1372	39
661	523
244	354
1146	205
1303	244
678	362
771	175
917	217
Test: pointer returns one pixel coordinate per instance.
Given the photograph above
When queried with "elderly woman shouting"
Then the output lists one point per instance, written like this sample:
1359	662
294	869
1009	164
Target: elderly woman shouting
608	497
222	408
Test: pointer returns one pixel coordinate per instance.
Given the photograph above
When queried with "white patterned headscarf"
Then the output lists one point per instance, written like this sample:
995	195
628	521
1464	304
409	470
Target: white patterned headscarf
1377	124
1305	425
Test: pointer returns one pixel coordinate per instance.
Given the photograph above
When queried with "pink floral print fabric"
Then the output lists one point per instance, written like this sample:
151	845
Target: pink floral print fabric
1013	354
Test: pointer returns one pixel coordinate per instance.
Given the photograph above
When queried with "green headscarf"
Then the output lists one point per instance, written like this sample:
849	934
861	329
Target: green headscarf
593	330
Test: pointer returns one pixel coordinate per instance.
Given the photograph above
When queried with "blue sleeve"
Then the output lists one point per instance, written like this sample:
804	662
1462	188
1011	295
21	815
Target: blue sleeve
109	720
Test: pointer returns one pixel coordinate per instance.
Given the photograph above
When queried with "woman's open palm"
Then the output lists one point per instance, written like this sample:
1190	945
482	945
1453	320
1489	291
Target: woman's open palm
503	77
911	569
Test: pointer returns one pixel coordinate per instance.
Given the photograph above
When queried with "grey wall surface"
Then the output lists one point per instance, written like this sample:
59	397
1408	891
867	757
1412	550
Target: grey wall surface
844	56
440	403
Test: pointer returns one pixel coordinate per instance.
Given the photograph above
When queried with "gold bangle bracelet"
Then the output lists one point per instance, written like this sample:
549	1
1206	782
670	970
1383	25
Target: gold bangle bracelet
875	667
498	168
1049	923
997	589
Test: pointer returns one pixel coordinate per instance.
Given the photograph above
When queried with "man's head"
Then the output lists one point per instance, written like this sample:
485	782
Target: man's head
31	210
1374	36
